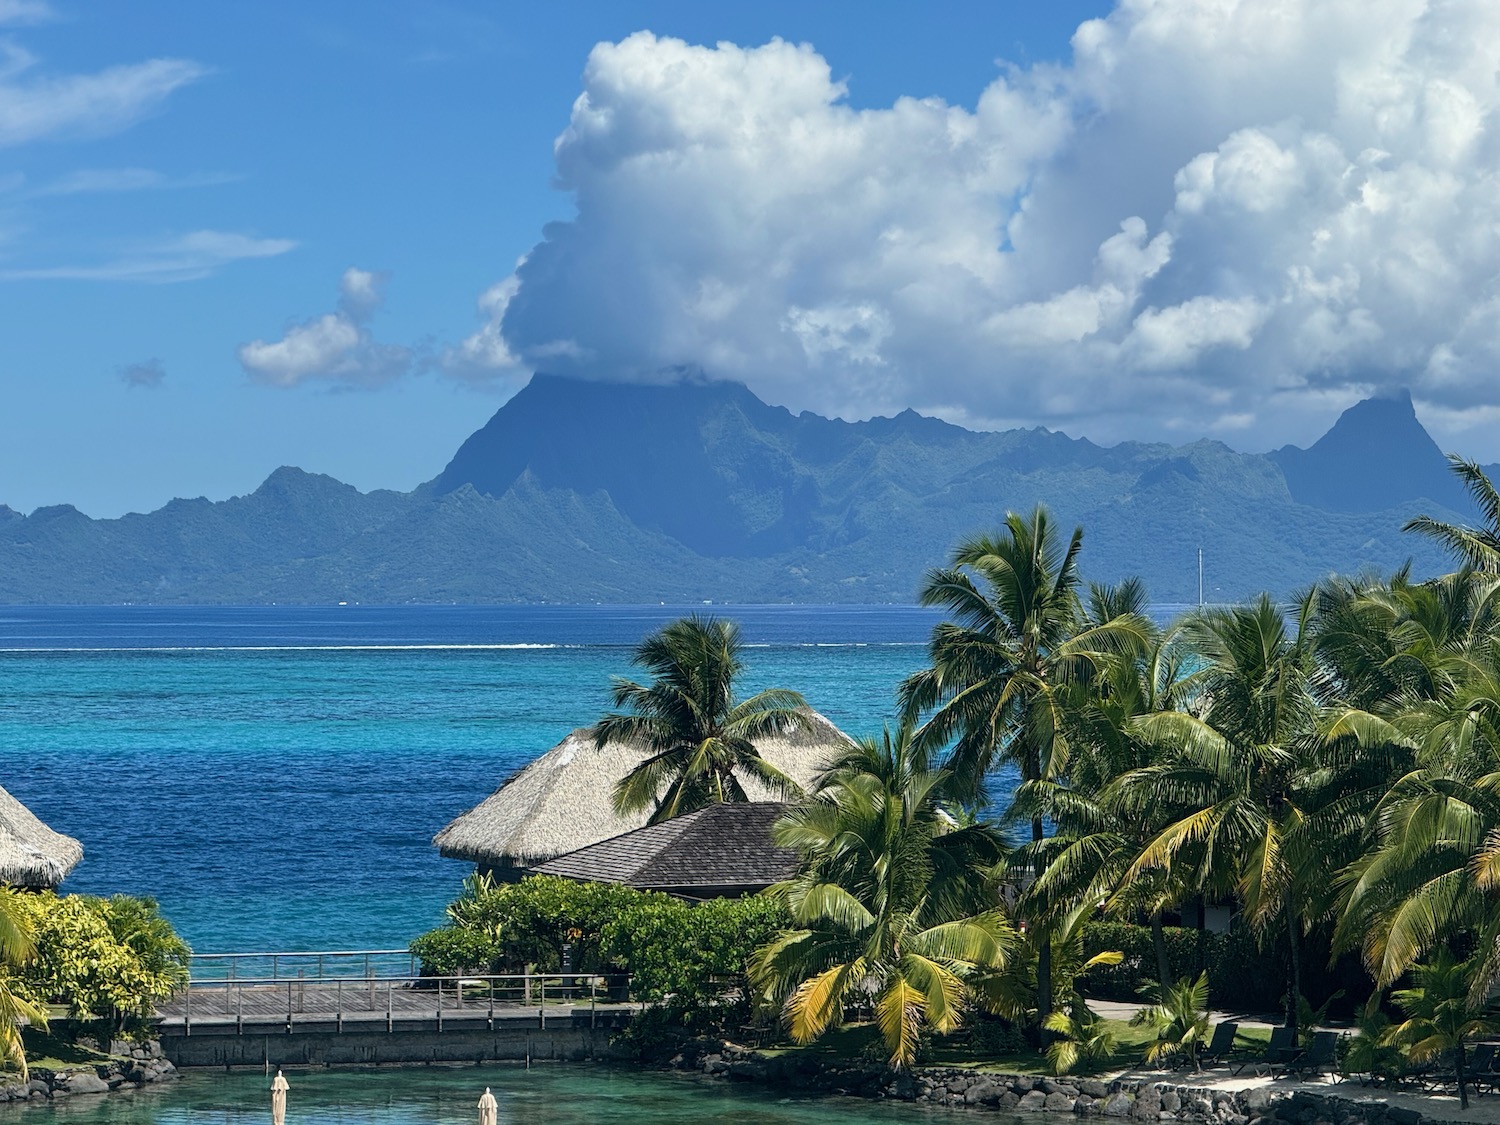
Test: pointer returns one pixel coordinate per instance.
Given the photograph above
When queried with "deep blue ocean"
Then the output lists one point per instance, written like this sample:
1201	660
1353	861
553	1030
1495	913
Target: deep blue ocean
274	775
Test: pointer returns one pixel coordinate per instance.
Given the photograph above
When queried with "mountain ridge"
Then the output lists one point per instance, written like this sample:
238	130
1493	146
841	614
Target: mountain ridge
577	491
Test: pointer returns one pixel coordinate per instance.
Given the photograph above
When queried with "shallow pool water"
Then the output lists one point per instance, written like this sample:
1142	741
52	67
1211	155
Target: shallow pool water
439	1095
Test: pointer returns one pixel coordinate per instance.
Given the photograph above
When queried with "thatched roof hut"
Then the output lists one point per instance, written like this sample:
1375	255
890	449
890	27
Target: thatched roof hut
561	801
31	854
723	851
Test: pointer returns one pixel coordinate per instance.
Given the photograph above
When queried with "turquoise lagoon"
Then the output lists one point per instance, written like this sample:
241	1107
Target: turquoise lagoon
553	1095
274	775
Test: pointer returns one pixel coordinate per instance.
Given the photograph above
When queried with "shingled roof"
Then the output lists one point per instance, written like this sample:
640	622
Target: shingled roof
561	801
724	849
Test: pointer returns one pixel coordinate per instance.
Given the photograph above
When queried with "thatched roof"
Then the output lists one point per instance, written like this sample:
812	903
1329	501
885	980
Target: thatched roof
723	850
561	801
31	854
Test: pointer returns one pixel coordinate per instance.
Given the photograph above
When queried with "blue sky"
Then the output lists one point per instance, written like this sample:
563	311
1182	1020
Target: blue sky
239	236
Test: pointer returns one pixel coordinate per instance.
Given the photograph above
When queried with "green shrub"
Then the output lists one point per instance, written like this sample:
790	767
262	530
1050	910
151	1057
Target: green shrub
1241	974
107	960
691	955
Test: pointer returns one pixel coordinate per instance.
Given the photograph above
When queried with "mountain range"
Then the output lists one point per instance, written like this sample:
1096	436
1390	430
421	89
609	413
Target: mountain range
581	491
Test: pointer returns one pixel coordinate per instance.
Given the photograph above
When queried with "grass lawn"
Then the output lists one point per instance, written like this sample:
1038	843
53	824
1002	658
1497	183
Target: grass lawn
51	1053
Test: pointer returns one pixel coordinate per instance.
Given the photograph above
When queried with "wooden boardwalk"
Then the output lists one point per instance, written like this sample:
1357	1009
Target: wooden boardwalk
225	1008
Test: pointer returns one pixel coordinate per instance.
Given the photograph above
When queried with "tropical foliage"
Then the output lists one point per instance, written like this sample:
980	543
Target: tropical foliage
106	960
700	739
1328	771
891	908
17	947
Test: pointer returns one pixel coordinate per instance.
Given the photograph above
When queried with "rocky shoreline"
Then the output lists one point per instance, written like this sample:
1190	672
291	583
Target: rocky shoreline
1012	1093
141	1064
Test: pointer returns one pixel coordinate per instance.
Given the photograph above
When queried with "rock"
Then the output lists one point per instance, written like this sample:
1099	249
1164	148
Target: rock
1008	1100
1257	1097
39	1086
1085	1104
985	1092
1166	1115
1034	1100
1397	1115
1118	1105
1058	1102
1200	1106
85	1082
1093	1088
1171	1100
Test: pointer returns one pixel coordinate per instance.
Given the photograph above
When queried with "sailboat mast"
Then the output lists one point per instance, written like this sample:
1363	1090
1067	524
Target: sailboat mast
1200	576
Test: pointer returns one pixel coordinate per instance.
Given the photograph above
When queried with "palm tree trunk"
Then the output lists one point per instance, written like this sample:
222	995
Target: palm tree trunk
1044	951
1294	990
1462	1076
1163	963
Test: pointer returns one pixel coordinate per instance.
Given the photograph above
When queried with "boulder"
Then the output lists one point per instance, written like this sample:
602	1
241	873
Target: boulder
1093	1088
1034	1100
1171	1100
85	1082
1398	1115
1118	1105
1008	1100
1057	1102
1085	1104
985	1092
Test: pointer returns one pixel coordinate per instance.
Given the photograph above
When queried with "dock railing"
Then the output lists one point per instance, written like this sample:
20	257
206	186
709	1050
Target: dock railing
376	1001
325	964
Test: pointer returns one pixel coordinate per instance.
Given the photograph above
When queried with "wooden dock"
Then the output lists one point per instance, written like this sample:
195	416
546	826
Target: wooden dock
390	1004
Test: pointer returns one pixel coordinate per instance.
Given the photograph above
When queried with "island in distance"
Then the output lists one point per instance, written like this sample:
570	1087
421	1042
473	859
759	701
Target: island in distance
596	492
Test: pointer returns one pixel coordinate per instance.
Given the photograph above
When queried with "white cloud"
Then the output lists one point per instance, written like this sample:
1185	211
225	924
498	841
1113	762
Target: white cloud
101	181
483	356
186	257
82	105
1214	206
336	347
148	373
18	12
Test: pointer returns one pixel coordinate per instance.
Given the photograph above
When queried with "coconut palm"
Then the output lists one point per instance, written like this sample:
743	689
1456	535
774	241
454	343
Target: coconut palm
890	905
1090	857
16	949
1476	548
1011	664
1441	1016
1436	866
701	740
1230	783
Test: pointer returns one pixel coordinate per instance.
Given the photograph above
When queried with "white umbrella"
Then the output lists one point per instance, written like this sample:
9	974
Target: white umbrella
487	1108
278	1099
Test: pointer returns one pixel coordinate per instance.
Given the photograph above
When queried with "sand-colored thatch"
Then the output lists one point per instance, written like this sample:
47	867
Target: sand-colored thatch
31	854
561	801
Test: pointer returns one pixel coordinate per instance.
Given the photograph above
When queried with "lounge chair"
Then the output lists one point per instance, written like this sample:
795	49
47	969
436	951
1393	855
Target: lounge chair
1318	1057
1221	1046
1479	1071
1280	1049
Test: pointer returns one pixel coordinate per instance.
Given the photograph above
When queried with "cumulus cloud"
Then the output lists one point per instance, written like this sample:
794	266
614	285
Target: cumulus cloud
148	373
1216	216
335	348
484	355
185	257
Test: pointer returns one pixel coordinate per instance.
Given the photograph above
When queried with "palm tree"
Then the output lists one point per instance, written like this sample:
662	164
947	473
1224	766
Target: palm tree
1179	1017
16	949
700	739
1441	1016
890	905
1475	548
1231	781
1009	667
1435	867
1090	856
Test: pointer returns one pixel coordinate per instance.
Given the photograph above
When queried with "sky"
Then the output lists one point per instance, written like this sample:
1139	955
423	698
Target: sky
340	236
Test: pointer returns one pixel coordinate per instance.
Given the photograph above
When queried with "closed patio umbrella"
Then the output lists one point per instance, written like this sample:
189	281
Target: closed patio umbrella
487	1108
278	1099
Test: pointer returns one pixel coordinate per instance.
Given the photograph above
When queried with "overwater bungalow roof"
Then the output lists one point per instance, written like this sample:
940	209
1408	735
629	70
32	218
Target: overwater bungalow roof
31	854
561	801
722	850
